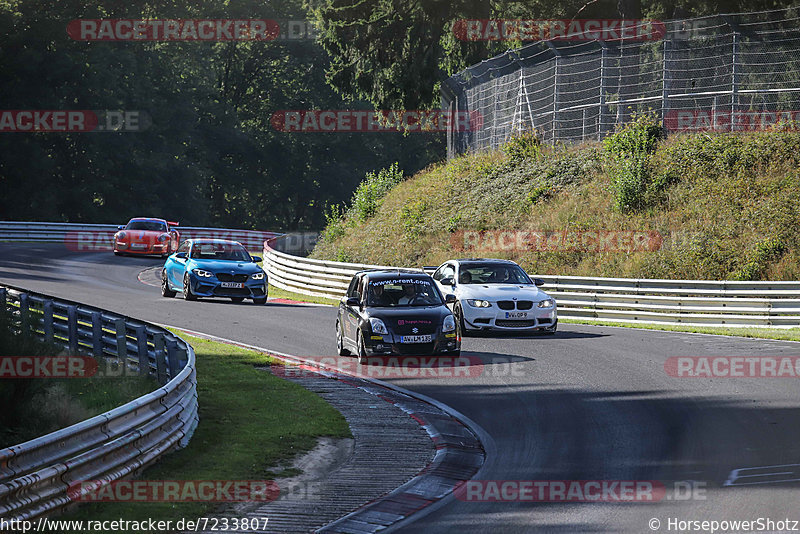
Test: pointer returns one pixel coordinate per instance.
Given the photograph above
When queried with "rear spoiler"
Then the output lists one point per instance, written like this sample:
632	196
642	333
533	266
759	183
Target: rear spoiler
173	223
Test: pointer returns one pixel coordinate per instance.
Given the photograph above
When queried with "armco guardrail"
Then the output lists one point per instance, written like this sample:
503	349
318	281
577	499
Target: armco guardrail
97	237
686	302
35	475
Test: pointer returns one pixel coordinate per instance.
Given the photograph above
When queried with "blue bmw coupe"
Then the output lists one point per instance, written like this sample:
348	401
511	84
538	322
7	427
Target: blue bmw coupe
214	268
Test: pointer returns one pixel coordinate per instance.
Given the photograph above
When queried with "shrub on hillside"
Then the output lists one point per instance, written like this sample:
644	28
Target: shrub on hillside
630	148
374	187
523	145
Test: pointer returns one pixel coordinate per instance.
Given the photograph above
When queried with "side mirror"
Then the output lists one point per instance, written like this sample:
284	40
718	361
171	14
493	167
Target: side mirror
256	259
180	255
538	282
449	298
446	281
120	227
352	301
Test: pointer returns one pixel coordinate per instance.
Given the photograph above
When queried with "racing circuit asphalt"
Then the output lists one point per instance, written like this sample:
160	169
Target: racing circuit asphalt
590	403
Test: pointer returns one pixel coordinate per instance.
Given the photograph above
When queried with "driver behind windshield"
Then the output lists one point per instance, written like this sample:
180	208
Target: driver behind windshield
409	294
378	297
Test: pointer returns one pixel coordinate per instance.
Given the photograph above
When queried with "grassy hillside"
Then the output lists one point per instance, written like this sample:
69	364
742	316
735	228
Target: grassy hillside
727	206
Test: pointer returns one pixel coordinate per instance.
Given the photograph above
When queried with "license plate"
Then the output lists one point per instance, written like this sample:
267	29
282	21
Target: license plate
416	339
232	285
516	315
139	245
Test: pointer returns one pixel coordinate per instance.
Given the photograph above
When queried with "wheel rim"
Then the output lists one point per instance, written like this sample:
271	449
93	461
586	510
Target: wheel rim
339	340
362	356
187	293
164	285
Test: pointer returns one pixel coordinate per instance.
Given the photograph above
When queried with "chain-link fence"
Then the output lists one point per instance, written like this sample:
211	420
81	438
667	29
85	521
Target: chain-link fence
722	72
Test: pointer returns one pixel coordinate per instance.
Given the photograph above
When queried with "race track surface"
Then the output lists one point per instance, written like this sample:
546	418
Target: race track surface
590	403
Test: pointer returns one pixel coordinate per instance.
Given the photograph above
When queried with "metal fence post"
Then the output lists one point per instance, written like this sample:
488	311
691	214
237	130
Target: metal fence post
47	321
665	83
556	57
603	89
734	77
141	346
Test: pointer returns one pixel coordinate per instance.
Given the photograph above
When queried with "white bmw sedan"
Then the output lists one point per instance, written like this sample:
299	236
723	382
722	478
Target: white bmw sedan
494	294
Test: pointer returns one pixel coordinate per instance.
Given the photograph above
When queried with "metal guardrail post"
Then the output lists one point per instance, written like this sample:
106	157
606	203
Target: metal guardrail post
72	329
97	335
23	313
161	362
47	321
141	346
122	341
172	358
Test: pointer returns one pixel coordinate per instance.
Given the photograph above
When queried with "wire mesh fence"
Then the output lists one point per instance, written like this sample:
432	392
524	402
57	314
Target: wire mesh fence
732	72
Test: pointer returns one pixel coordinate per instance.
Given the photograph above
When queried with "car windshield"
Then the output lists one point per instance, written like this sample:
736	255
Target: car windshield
492	273
220	251
150	226
402	292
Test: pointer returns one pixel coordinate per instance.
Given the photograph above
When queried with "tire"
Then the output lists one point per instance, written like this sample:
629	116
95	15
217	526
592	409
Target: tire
237	299
462	326
187	289
165	290
552	330
455	353
340	350
117	253
362	351
260	300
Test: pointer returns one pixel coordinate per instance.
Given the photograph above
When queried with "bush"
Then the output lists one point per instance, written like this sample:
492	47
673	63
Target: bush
630	149
766	252
372	190
523	145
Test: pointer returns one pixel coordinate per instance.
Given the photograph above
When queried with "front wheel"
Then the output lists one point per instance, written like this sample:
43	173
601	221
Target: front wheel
552	330
187	289
260	300
362	350
462	326
165	290
340	341
237	299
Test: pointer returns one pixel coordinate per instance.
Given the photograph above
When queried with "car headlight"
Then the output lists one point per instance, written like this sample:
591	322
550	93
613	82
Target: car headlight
547	303
377	326
121	235
449	324
203	274
479	303
258	276
162	238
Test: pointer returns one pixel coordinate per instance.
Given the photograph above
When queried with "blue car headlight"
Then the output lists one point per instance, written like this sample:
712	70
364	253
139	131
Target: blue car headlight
203	274
258	276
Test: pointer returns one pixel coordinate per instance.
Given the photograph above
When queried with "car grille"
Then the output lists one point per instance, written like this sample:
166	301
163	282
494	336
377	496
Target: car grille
227	277
509	304
231	292
515	324
413	348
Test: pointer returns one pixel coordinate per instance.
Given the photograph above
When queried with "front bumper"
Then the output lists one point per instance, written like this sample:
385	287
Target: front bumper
141	248
390	344
210	287
508	321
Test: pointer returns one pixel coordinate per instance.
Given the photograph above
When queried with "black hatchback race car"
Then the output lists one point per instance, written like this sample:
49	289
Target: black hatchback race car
398	312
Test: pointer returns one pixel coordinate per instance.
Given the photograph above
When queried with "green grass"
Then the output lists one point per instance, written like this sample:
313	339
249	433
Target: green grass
726	206
250	423
278	293
792	334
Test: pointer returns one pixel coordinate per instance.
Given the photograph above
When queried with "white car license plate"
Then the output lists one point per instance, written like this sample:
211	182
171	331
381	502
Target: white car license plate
416	339
139	245
516	315
233	285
